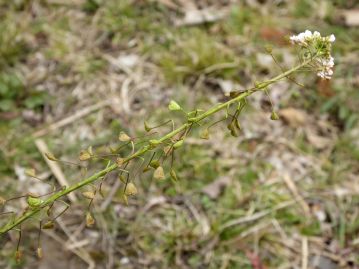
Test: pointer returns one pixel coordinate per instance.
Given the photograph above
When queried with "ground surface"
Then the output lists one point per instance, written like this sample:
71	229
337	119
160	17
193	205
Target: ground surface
284	194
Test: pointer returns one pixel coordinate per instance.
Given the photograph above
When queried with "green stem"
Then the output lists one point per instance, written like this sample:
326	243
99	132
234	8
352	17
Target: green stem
146	148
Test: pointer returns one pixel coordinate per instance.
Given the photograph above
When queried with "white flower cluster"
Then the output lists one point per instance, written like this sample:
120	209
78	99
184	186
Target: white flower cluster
326	67
307	37
325	62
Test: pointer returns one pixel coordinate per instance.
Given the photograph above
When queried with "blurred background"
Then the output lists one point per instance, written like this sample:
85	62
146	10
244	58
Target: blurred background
284	194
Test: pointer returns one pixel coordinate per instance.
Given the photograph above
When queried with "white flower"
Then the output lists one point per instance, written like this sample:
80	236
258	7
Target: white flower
331	38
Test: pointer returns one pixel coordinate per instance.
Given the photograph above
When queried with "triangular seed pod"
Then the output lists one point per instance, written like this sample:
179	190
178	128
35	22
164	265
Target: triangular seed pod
18	255
2	200
30	172
205	134
88	194
39	253
48	225
159	173
154	164
90	221
50	156
120	161
173	175
147	128
123	137
173	106
130	189
178	144
274	116
84	155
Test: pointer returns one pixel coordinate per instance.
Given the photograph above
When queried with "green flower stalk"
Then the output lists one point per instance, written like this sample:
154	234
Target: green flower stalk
310	59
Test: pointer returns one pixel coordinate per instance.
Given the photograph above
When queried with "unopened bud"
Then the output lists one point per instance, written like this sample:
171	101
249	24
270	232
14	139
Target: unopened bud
269	48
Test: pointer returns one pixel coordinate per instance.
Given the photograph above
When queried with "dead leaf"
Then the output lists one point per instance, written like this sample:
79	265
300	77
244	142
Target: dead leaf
199	16
319	142
214	189
274	35
324	88
351	17
294	117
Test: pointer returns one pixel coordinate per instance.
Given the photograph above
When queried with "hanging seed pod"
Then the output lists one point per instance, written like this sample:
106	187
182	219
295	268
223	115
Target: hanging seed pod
154	164
2	200
274	116
178	144
147	168
125	199
50	156
33	201
123	137
159	173
147	128
173	106
30	172
18	256
84	155
39	253
88	194
204	134
90	221
48	225
122	178
173	175
120	161
130	189
233	129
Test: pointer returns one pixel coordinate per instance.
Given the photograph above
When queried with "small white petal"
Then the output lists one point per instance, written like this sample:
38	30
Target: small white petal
332	38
